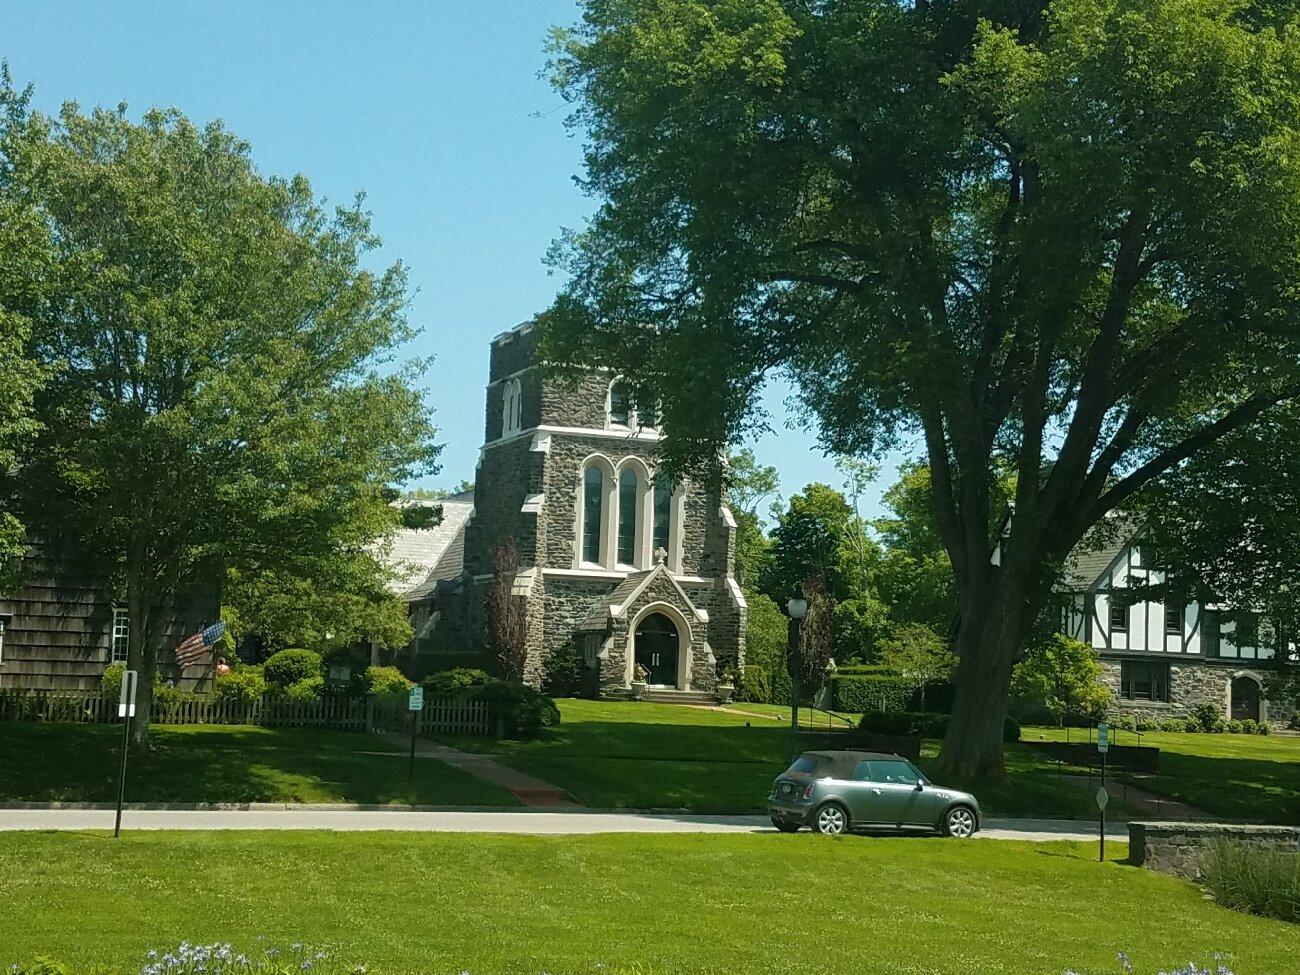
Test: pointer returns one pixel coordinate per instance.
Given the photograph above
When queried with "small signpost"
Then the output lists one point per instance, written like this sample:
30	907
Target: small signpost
415	703
1103	797
125	711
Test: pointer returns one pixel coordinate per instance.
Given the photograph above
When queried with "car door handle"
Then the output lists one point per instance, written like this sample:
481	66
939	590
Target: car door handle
876	791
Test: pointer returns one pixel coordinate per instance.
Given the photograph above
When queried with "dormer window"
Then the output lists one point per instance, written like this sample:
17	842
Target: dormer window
620	404
511	408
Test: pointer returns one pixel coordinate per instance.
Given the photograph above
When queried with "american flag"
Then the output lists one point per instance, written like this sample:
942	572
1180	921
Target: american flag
193	649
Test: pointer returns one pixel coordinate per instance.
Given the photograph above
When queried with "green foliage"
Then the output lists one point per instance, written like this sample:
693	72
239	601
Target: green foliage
290	666
448	684
386	680
860	624
225	396
110	681
918	655
1064	675
755	685
926	724
306	689
564	671
526	711
881	690
1207	717
817	534
242	686
749	484
766	633
1253	878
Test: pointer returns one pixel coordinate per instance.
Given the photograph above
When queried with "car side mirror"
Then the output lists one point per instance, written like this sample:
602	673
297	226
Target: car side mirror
919	785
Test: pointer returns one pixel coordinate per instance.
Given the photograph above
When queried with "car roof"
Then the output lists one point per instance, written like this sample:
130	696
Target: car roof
842	754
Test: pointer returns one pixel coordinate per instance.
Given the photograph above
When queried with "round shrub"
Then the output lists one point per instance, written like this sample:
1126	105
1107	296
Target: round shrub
243	686
111	681
525	710
755	685
307	689
386	680
454	683
288	667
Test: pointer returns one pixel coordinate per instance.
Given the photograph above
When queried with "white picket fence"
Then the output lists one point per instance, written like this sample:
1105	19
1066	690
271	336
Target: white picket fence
340	713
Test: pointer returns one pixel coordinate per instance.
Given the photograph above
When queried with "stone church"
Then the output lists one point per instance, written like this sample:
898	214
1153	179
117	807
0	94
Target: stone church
612	563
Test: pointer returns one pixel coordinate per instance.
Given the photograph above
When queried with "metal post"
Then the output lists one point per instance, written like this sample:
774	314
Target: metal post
1101	842
410	772
121	782
796	670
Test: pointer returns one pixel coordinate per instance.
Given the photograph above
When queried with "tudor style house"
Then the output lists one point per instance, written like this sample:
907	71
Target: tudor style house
1162	659
613	562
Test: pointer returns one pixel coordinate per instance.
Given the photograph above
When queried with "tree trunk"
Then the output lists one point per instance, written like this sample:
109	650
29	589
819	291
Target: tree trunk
987	643
142	657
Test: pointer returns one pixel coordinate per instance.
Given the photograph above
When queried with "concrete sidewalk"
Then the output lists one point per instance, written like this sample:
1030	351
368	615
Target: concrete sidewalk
537	822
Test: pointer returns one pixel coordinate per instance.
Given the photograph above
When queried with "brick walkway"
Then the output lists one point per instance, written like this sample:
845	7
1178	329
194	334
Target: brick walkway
528	789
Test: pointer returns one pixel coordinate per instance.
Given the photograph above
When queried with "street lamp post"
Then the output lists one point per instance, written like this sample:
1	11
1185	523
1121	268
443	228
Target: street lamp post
797	608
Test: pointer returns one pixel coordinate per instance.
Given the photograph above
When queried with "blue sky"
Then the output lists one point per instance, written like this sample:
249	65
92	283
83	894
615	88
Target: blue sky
434	109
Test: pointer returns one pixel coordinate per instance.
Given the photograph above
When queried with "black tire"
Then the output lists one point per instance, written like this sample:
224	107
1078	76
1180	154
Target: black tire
785	826
959	822
831	819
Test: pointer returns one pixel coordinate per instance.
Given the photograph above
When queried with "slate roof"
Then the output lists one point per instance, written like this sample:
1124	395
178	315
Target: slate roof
599	613
1098	549
423	556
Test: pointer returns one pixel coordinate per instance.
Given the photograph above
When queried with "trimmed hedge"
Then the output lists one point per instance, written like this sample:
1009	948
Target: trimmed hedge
454	683
288	667
871	689
925	724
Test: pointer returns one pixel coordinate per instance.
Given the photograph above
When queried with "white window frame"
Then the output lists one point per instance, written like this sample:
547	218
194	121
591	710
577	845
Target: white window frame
4	623
511	408
121	631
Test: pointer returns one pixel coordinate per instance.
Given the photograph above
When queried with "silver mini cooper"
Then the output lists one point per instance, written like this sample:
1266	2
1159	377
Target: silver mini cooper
836	792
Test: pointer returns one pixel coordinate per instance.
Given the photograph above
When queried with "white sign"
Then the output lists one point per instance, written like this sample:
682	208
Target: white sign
1103	797
126	702
416	701
1103	737
340	672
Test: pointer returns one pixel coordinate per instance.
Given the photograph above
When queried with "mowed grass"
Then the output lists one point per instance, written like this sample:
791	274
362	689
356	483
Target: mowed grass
640	755
1249	777
444	903
225	763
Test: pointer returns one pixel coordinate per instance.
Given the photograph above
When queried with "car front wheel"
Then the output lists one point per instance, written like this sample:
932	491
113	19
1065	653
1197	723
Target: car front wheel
831	820
959	821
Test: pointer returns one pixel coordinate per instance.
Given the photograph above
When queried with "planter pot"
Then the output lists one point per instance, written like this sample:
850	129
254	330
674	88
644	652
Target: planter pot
638	690
724	693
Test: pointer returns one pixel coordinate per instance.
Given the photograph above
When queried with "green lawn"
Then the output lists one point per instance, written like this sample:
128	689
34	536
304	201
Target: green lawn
643	756
1253	777
442	903
225	763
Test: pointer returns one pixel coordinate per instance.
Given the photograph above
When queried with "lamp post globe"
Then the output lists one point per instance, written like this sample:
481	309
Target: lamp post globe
796	607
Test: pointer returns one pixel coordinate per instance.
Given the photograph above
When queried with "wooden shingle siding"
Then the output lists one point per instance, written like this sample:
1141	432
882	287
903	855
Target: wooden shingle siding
59	627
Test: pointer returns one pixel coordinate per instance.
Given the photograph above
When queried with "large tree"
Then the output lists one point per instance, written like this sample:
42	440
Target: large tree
1061	236
224	398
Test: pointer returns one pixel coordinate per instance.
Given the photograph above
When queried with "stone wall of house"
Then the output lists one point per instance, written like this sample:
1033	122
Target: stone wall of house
1180	848
1191	683
507	474
574	402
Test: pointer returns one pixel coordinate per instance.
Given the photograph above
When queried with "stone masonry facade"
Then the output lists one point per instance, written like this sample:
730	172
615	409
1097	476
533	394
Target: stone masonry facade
552	448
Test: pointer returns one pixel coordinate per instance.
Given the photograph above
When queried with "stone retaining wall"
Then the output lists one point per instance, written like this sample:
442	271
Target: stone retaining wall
1177	848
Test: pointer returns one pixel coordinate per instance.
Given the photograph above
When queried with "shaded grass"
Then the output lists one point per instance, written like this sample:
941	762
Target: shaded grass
1248	777
438	903
225	763
615	754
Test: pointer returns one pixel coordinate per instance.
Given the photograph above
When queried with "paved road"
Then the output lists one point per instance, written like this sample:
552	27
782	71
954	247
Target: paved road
478	821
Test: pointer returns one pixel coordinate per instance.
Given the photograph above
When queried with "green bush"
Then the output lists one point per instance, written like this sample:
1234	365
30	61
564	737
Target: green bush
926	724
167	695
455	683
288	667
867	690
243	686
386	680
307	689
755	685
1253	878
111	681
1208	717
564	670
526	711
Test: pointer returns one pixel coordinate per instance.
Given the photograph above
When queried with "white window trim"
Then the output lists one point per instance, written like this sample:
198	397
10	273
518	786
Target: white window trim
4	623
644	557
120	613
633	424
511	408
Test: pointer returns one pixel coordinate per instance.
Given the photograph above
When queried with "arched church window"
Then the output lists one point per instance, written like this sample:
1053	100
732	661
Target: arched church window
511	408
593	497
620	404
663	508
628	489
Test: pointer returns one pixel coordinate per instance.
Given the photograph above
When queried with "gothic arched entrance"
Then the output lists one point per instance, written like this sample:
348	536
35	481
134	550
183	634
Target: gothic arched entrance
1245	698
657	644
